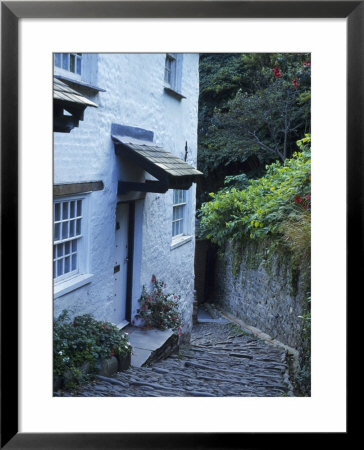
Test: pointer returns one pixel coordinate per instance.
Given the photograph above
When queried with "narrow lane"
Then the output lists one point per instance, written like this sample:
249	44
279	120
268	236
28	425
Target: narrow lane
220	361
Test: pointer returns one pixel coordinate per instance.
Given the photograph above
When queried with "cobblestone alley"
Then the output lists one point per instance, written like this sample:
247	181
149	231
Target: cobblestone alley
221	360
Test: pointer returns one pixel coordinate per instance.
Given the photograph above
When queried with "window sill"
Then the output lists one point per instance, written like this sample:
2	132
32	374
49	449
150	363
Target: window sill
71	284
173	93
180	240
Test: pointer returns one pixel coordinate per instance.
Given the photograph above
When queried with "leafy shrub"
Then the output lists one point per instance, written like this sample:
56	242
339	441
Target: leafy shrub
265	207
81	343
158	309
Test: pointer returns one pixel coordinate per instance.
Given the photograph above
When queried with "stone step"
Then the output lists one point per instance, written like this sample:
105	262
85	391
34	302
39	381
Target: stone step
150	345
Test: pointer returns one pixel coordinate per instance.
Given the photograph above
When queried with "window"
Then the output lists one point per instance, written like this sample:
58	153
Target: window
173	75
179	212
170	70
68	248
69	61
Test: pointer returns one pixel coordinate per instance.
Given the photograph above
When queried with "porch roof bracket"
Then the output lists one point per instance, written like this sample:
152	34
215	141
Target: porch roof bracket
149	186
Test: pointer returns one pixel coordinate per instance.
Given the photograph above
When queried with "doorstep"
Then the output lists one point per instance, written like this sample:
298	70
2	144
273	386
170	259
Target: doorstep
150	345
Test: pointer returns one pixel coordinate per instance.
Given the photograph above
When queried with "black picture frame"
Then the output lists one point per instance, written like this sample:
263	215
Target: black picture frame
11	12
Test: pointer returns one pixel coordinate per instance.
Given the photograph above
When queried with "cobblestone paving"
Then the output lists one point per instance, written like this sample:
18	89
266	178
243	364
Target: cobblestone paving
220	361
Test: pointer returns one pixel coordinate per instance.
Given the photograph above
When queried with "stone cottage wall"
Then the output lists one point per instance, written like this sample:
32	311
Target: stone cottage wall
265	293
133	95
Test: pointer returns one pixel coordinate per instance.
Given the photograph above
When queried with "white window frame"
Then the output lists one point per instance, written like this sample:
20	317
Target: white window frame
61	70
183	233
179	212
170	70
79	276
173	72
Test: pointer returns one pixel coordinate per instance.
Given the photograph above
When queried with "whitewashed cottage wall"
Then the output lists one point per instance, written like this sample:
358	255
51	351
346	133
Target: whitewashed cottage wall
134	96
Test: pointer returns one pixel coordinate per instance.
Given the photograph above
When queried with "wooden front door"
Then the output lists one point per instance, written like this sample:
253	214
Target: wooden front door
121	259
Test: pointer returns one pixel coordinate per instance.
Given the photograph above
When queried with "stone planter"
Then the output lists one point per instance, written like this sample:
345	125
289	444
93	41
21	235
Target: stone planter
105	367
124	362
108	366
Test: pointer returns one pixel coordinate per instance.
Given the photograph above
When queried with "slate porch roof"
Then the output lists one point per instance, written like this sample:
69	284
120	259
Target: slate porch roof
64	93
162	164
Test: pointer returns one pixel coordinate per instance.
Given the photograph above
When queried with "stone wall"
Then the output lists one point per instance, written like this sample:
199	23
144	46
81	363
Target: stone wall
266	293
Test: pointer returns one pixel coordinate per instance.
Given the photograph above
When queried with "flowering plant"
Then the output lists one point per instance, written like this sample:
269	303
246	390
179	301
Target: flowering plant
159	309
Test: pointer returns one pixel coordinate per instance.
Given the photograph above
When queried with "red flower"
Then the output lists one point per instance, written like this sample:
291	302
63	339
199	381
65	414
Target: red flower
276	72
298	199
308	197
295	83
307	64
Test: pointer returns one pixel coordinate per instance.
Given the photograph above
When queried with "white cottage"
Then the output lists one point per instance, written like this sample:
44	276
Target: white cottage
125	150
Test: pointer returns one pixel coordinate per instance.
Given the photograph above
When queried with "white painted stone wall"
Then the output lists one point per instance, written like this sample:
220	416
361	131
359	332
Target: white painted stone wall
134	96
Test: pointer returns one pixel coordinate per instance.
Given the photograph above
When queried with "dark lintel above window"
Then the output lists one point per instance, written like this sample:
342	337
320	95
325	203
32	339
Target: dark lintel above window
60	190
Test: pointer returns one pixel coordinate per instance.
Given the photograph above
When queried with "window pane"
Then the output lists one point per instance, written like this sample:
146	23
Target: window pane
59	267
65	61
78	228
57	214
72	209
59	250
67	248
78	68
65	210
57	227
79	207
57	59
74	262
54	269
72	63
65	230
74	246
72	228
67	265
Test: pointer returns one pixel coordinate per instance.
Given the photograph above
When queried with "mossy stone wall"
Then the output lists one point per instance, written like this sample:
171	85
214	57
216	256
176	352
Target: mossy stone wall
260	285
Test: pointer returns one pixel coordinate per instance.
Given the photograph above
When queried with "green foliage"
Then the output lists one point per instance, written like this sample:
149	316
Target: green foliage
159	309
240	181
83	342
252	108
264	207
